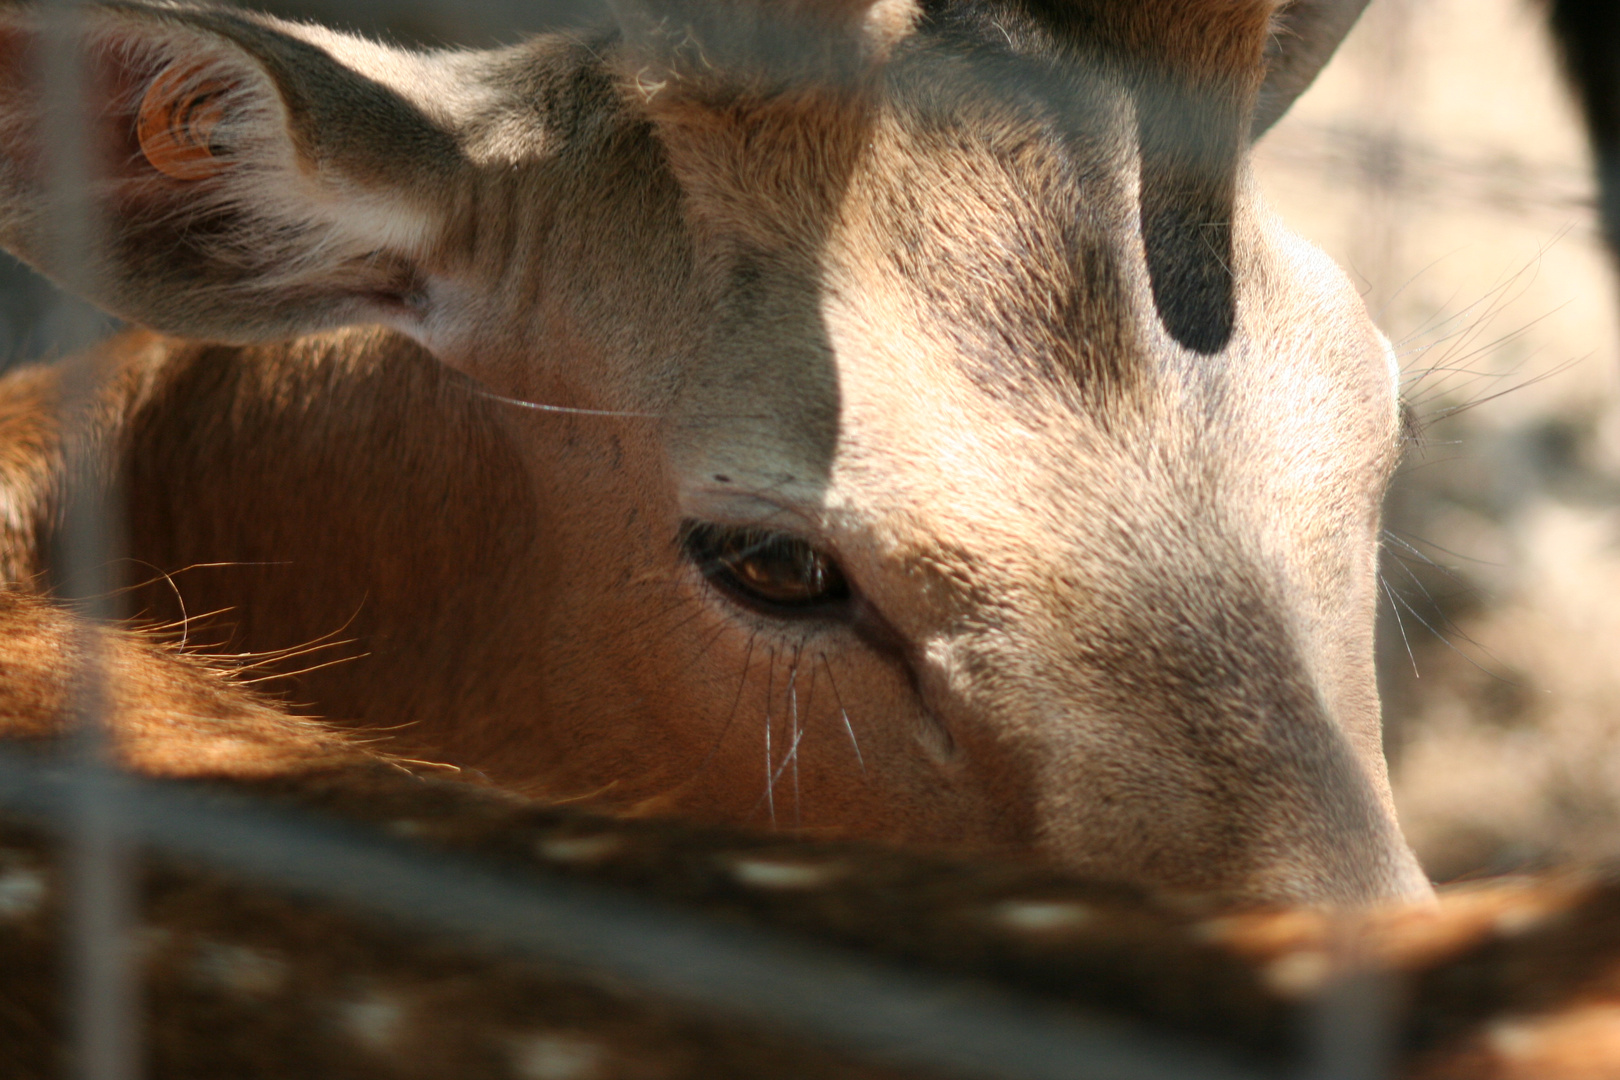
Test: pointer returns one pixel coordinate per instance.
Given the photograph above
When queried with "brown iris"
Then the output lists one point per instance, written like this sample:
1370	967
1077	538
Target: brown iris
769	568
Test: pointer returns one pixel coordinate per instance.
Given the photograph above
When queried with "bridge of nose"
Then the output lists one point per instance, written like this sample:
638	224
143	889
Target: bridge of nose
1173	728
1102	624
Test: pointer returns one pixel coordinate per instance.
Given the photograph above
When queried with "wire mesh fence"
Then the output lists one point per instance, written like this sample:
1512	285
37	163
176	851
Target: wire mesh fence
859	1003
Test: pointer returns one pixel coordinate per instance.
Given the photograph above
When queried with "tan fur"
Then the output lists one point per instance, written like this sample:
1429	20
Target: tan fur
1004	329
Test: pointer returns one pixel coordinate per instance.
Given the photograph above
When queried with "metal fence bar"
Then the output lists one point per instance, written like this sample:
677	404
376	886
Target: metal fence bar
1352	1036
828	994
105	1019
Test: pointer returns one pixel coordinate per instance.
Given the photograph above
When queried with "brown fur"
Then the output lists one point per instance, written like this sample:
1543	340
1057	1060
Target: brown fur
173	714
1515	980
981	301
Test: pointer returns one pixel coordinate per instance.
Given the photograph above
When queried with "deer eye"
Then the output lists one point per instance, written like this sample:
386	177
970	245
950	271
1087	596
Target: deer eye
769	569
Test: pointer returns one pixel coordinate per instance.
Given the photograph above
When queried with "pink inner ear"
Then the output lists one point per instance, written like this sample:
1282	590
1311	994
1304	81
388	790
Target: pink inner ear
176	121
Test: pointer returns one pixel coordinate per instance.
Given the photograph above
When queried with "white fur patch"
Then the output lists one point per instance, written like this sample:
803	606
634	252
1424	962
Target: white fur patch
238	969
1512	1039
590	848
785	875
374	1022
1299	973
22	892
1041	916
557	1056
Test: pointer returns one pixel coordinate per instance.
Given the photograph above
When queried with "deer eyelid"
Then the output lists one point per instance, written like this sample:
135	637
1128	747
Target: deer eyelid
771	571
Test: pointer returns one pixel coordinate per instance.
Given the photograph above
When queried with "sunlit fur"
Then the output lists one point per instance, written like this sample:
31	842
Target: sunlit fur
978	299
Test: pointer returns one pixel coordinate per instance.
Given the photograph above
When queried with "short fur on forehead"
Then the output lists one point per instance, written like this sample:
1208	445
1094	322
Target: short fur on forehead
1205	40
763	110
693	46
1195	66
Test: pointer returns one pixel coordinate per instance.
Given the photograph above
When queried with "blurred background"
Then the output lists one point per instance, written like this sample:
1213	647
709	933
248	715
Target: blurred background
1441	162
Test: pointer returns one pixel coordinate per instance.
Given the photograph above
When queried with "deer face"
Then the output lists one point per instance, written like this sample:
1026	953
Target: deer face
960	455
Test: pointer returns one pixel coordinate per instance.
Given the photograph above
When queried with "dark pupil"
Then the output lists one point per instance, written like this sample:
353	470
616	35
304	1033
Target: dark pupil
769	566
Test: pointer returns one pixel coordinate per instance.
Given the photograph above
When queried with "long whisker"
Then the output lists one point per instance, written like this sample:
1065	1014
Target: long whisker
180	601
792	755
623	414
1407	552
1382	580
1397	533
1445	619
798	731
280	675
731	714
843	712
1437	603
567	409
1440	414
770	760
809	714
1448	643
790	758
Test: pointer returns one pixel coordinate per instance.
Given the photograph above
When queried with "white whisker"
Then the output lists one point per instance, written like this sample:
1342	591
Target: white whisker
770	761
843	712
566	409
798	733
790	758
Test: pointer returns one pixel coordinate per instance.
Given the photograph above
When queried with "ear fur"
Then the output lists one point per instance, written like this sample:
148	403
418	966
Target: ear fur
305	203
1304	37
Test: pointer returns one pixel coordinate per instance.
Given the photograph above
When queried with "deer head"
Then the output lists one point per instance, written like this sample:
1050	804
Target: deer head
959	452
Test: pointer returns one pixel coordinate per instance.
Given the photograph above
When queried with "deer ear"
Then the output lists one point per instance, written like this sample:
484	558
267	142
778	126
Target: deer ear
1305	35
248	182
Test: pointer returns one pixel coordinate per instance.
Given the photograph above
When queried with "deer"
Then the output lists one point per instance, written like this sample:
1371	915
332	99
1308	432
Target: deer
876	420
897	426
247	972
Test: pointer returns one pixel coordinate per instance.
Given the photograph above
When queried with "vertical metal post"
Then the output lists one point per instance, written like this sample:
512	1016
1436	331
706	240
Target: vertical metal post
1376	252
1351	1036
101	978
